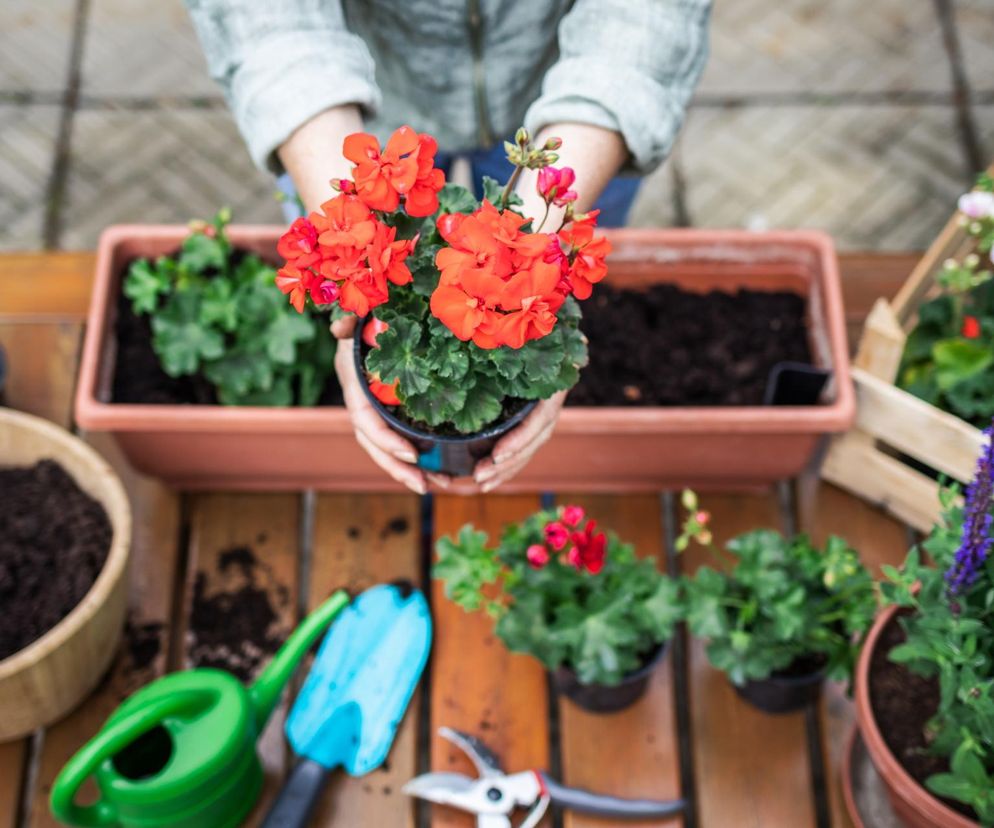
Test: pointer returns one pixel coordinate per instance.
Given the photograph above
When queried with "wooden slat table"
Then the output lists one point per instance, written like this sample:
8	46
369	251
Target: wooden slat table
690	735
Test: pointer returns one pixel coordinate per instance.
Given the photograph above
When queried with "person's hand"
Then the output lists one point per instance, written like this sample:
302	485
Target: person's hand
515	449
391	452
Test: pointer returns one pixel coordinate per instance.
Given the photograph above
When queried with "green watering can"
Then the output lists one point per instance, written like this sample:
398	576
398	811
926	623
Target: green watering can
181	751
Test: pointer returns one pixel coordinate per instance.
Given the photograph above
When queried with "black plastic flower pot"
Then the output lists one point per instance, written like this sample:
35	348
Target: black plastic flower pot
779	694
603	698
456	456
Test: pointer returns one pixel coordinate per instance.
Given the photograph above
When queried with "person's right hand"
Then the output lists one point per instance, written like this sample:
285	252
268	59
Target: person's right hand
391	452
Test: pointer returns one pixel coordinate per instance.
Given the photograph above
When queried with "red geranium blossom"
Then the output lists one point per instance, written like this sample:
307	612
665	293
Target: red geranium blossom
538	555
297	283
971	327
299	243
556	535
589	549
572	515
382	177
586	253
386	394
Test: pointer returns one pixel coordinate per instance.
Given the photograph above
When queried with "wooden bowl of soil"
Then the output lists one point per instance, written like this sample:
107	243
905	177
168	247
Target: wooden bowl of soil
65	534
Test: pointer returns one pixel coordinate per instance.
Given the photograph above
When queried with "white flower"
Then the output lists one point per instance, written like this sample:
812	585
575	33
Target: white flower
977	205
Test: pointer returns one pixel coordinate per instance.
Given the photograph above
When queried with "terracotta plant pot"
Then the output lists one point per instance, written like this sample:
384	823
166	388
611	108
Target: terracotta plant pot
593	449
783	694
605	698
912	802
42	682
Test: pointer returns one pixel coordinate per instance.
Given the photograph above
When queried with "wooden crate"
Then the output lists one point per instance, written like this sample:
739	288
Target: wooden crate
896	433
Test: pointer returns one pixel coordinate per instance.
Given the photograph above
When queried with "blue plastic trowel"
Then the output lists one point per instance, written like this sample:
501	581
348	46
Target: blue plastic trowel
355	695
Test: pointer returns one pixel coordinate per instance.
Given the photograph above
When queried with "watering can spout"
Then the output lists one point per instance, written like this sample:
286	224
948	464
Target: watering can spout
266	689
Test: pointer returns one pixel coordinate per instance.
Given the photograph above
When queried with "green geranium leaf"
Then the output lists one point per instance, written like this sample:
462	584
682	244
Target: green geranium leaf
454	198
219	305
482	407
282	336
959	359
144	284
279	394
238	373
200	253
179	339
466	565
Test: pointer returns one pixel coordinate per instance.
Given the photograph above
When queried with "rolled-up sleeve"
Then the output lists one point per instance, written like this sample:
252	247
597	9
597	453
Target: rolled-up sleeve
629	66
280	63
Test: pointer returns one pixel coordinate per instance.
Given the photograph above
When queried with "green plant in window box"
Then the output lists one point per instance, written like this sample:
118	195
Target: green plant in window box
216	311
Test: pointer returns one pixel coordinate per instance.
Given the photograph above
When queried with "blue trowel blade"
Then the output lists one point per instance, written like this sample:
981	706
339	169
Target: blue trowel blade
362	679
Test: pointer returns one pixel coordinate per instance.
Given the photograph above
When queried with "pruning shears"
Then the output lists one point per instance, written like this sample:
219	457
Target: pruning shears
495	795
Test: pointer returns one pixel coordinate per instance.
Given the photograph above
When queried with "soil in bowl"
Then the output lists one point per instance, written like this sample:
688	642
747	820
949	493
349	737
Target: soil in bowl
140	380
668	346
902	704
54	541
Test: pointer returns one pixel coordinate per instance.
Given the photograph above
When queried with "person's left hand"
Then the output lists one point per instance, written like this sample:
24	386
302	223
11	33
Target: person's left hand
515	449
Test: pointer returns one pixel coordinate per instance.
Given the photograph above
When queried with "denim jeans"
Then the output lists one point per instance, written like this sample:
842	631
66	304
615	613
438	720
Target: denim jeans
614	203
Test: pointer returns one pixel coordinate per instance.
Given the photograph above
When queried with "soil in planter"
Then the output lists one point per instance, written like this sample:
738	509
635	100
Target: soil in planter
139	378
54	540
668	346
903	703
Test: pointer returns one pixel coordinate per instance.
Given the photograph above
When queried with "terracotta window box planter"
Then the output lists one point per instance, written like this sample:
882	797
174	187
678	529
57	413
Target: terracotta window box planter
602	449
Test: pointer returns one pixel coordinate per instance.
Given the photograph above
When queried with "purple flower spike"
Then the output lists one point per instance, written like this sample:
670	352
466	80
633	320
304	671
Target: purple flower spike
976	539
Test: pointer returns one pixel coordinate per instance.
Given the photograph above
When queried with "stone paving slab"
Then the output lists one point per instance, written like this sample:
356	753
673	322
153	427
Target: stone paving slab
27	147
826	46
975	23
137	48
35	38
159	166
877	178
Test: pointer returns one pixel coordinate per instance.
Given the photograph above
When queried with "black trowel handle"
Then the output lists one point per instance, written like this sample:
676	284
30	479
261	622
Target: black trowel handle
298	796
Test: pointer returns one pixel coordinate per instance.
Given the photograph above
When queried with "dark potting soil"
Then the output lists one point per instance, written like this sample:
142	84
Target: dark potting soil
668	346
54	540
802	666
903	703
139	378
235	620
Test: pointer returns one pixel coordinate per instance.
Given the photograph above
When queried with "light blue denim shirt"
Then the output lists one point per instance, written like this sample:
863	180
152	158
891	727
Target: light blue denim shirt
468	72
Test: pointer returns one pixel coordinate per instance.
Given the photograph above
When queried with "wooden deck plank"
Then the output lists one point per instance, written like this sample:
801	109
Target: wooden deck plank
880	540
752	769
12	757
42	359
633	753
476	685
361	541
243	573
46	284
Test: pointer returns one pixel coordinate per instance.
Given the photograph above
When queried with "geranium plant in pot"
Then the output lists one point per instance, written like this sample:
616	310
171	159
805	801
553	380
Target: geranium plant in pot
219	324
948	360
780	615
577	599
925	686
468	308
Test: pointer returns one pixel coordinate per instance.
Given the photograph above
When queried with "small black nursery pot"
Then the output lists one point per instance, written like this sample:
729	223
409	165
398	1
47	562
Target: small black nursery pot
457	455
603	698
784	693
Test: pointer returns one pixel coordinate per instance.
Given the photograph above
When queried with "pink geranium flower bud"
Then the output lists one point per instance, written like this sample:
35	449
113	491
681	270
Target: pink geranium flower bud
554	185
325	293
538	555
572	515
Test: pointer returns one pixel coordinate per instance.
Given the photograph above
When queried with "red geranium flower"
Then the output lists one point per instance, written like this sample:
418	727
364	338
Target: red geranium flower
344	222
586	254
589	549
383	177
556	535
572	515
971	327
386	394
422	200
538	555
297	284
299	243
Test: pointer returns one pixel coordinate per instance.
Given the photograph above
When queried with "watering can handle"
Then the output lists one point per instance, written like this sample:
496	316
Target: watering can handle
110	740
